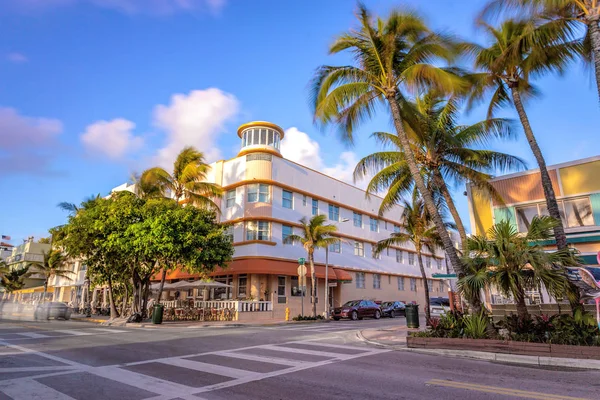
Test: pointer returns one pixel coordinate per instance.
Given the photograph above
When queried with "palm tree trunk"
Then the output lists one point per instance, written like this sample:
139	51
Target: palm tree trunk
111	300
551	203
452	207
519	295
593	21
45	290
420	183
425	287
313	279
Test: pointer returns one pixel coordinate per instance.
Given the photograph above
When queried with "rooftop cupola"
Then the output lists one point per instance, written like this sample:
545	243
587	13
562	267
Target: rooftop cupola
260	137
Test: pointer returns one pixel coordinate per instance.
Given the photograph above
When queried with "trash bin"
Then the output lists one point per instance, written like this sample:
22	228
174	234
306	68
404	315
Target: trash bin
412	315
157	313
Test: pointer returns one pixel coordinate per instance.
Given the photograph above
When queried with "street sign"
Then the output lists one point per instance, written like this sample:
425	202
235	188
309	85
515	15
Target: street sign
332	284
301	270
301	261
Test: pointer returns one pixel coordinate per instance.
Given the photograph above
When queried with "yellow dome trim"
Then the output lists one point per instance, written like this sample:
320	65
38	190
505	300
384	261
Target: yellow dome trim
265	124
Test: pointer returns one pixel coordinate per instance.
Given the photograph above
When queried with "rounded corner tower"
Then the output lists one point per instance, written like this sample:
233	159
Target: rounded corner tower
260	137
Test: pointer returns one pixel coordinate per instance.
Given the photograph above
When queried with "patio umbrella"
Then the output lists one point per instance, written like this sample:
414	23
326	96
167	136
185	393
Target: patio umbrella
197	285
155	286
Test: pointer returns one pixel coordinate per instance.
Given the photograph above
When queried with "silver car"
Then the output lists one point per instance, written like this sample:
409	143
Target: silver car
53	309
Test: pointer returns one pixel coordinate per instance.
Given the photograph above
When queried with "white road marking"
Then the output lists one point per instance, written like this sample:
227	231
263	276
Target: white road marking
32	335
141	381
48	356
35	369
313	342
28	389
267	359
305	351
108	330
74	333
210	368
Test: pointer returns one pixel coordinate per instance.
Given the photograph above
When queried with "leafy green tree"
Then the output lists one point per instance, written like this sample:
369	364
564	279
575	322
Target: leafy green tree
516	262
391	57
52	266
416	227
316	234
187	182
518	52
445	151
575	14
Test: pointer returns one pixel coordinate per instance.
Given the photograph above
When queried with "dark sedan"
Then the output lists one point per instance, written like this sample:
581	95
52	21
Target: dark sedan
393	309
357	309
53	309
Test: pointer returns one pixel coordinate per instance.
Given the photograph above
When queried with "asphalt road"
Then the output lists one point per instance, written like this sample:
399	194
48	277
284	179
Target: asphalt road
61	360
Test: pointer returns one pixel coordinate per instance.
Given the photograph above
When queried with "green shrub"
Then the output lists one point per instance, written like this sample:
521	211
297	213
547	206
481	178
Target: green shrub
475	326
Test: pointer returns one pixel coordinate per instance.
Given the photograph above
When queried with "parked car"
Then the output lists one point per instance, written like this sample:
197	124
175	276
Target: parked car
393	309
438	306
52	309
357	309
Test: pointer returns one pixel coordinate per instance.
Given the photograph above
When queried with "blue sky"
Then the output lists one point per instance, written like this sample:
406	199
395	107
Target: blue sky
93	90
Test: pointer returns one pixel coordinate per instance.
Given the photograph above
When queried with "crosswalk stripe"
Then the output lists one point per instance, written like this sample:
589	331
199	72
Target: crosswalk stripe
74	333
32	335
142	381
107	330
267	359
304	351
28	389
210	368
337	346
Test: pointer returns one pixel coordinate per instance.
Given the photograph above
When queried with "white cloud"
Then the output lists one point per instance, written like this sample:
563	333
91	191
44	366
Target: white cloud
194	119
297	146
27	144
162	7
113	138
17	58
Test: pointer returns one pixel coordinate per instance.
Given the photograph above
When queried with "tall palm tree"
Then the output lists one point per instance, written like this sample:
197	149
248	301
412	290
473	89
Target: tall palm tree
518	52
13	279
186	182
416	227
53	265
444	150
391	57
516	262
576	13
315	235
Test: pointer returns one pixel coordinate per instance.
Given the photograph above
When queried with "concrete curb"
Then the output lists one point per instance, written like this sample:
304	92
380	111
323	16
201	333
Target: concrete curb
192	325
540	361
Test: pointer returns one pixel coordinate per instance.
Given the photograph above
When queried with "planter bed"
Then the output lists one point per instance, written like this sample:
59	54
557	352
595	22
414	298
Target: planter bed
506	347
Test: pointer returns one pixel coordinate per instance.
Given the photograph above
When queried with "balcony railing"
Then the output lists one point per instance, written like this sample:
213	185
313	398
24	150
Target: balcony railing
237	305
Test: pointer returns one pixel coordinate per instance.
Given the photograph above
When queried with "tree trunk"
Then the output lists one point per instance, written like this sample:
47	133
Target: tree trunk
420	183
125	299
439	180
551	203
519	296
145	295
593	21
313	279
45	290
162	285
425	287
111	301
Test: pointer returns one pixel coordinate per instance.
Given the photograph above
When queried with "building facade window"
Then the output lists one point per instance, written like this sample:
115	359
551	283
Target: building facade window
442	288
430	285
357	220
230	198
304	200
257	230
228	233
296	289
287	200
399	256
396	229
428	262
360	280
359	249
334	213
573	213
438	262
411	258
315	207
376	281
413	285
374	224
281	299
258	193
400	283
242	285
286	230
335	247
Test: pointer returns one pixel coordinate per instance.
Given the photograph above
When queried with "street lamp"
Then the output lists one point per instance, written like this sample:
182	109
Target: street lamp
327	275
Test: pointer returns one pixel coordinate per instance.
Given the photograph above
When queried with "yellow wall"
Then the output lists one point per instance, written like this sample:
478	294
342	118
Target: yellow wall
582	178
482	211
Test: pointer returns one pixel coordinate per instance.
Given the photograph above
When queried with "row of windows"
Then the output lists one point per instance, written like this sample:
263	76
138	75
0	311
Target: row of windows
261	136
573	213
360	282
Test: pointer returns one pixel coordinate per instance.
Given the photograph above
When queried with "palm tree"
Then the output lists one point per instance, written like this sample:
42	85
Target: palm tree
444	151
51	266
575	13
518	52
185	183
13	279
390	56
416	227
315	235
516	262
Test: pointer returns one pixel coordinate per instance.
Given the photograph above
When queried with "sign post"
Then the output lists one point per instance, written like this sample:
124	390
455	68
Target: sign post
302	279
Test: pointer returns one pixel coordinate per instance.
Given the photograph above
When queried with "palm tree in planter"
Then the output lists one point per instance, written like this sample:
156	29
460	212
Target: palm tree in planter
416	227
518	52
316	234
53	265
515	262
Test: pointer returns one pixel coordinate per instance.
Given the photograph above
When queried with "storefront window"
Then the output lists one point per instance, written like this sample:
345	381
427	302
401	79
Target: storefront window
296	289
281	299
242	285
